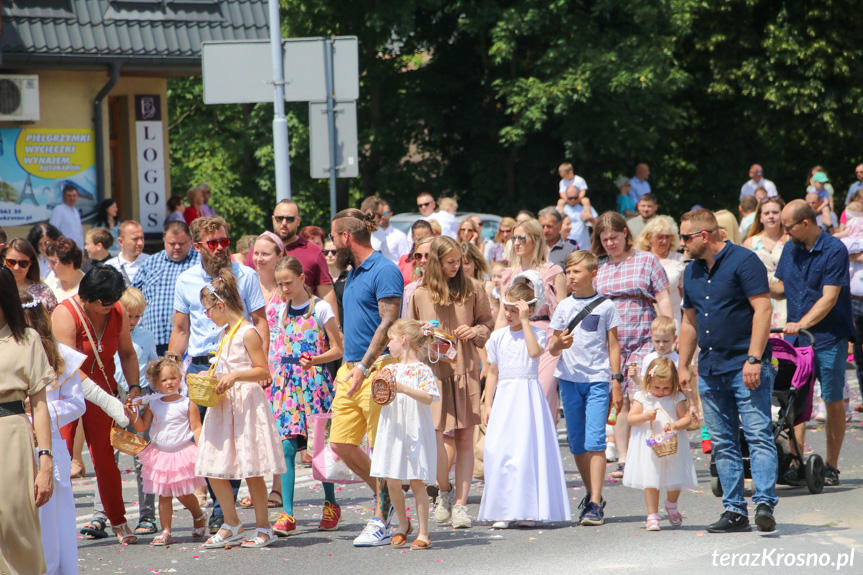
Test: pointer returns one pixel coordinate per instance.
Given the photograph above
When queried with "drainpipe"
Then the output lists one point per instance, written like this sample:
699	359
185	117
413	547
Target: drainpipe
99	129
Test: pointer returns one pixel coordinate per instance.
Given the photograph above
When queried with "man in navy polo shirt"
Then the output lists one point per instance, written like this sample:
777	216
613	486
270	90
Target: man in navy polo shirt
372	302
727	309
819	300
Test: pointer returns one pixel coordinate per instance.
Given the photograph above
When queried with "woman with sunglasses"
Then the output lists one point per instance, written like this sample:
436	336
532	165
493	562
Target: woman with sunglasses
22	261
40	237
65	258
498	250
459	305
767	239
470	232
637	284
420	258
340	277
94	323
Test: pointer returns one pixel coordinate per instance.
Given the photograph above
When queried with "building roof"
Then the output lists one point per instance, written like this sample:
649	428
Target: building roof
146	33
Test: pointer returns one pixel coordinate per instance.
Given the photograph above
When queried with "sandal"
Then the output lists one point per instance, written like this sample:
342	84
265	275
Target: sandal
258	541
202	500
162	538
618	473
674	516
245	502
146	526
420	545
198	532
217	541
653	522
124	534
94	530
78	470
400	539
272	503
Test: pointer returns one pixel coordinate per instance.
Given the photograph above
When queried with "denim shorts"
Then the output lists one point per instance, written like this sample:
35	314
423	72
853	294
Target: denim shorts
830	370
585	409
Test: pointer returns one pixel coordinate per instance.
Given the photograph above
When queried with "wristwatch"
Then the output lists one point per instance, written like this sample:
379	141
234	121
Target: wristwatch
752	359
47	452
617	377
366	371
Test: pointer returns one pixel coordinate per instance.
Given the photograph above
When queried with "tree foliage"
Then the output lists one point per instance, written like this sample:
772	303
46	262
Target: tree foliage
482	100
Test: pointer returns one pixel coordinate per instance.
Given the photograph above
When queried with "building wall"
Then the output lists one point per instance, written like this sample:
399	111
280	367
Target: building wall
66	101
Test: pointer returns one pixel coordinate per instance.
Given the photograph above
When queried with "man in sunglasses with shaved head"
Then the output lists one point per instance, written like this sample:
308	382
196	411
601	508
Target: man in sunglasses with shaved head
193	330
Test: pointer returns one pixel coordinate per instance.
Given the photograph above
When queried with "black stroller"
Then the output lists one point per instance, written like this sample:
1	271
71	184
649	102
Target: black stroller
792	393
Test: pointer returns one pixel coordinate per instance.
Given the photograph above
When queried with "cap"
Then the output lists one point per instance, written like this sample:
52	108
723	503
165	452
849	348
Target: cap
820	177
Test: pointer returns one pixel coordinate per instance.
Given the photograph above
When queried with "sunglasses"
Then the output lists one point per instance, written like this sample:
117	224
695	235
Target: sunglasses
107	303
466	230
791	227
213	244
419	257
207	310
280	219
570	198
23	264
519	239
423	205
386	214
684	238
329	252
503	231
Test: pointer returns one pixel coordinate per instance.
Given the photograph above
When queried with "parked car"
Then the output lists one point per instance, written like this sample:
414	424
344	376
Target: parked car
490	222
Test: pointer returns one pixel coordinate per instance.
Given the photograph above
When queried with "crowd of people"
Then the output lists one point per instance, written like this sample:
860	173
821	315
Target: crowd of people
632	326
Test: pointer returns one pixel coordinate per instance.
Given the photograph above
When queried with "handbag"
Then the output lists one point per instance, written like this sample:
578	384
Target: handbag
326	465
444	347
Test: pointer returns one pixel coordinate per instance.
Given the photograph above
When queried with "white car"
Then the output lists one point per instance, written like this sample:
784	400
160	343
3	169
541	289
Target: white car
490	222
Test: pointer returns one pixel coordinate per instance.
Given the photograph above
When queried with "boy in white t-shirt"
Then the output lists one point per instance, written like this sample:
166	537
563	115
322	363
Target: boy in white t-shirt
588	370
663	334
567	179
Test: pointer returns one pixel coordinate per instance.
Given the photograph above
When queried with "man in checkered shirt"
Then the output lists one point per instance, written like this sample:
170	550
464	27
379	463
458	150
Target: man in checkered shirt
157	277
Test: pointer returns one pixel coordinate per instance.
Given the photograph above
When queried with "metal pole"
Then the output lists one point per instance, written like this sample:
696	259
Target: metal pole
331	120
280	124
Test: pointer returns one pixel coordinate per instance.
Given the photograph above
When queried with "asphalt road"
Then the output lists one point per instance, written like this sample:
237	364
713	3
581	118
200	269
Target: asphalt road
825	528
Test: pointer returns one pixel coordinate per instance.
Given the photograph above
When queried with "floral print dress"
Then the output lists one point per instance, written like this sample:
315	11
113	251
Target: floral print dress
296	393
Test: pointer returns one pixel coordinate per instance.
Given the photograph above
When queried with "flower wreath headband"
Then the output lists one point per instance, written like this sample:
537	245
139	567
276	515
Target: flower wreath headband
32	304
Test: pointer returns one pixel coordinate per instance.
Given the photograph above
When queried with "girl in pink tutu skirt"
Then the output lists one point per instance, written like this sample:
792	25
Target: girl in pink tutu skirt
168	463
239	439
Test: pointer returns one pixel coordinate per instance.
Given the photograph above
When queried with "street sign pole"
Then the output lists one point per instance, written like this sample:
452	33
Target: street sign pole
280	124
331	120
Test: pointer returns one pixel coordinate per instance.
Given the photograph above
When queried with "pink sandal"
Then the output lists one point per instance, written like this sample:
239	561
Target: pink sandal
674	516
653	521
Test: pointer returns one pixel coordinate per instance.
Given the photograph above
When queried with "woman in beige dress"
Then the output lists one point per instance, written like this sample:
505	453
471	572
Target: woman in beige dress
459	305
26	374
767	239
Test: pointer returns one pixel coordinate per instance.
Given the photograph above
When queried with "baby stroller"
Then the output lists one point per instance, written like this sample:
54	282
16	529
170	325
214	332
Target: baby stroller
793	388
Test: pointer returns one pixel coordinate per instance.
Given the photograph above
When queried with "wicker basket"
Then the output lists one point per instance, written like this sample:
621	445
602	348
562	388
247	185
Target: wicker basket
664	444
127	442
384	387
202	388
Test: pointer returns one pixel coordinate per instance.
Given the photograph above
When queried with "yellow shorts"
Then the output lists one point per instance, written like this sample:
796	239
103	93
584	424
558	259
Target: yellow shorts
357	416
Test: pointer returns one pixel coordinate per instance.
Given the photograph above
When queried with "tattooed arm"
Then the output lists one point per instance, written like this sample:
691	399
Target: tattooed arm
388	308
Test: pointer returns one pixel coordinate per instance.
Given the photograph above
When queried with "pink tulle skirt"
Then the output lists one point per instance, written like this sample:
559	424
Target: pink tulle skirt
170	473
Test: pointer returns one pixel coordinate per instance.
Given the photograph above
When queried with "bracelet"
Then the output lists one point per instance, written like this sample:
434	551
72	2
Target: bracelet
132	386
47	452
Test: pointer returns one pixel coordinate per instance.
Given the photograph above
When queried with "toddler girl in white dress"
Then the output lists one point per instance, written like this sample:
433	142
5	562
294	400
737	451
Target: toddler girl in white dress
659	404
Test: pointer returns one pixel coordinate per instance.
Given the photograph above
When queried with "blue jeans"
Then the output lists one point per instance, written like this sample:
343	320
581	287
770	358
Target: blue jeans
198	367
728	404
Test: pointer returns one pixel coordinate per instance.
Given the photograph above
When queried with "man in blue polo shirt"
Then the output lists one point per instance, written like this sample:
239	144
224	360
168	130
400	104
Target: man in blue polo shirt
819	300
372	301
727	310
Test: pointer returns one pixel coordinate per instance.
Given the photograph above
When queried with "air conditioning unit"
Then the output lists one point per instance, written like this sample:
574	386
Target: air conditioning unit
19	98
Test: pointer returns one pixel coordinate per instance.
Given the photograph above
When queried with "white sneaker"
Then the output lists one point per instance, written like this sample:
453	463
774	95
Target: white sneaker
460	520
374	534
443	505
611	452
821	413
502	524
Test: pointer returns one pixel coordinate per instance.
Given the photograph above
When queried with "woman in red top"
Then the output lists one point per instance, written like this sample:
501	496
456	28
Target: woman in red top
195	197
96	309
